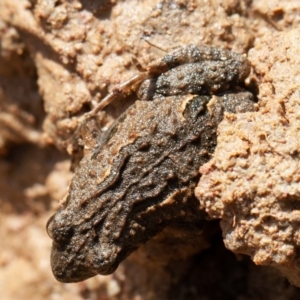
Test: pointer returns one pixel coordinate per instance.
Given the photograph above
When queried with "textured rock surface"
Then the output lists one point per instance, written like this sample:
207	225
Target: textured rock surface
253	181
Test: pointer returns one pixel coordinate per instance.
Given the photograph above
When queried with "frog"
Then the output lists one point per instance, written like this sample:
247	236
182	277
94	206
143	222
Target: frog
140	176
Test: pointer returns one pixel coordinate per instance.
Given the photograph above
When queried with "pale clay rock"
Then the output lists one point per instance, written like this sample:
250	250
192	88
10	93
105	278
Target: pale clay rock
253	181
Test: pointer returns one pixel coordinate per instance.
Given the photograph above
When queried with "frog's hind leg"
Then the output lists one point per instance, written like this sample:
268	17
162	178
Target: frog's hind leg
124	89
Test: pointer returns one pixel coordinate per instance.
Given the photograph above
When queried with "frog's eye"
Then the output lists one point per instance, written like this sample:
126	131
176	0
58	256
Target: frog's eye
62	234
49	226
59	234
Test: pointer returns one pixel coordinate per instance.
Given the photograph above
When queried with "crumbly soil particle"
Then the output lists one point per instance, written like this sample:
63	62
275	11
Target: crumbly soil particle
59	58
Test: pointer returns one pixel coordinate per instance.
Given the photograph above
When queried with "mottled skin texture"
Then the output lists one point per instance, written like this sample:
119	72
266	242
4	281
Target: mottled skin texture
141	175
194	70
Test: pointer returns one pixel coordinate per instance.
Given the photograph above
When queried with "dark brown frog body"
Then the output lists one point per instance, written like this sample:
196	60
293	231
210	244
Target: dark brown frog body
140	178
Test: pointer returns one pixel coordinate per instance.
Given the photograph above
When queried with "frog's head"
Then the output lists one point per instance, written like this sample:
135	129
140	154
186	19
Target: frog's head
88	241
77	252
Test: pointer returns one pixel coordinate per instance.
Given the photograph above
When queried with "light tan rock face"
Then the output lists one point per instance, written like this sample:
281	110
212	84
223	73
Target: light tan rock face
253	181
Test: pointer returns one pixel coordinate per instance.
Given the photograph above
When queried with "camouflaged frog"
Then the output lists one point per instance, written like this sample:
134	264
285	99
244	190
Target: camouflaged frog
140	176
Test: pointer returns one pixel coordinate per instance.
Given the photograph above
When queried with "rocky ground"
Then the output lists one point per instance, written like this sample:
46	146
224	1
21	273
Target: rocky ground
59	58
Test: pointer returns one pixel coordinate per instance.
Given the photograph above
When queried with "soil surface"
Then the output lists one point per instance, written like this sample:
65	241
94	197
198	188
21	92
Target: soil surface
58	58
